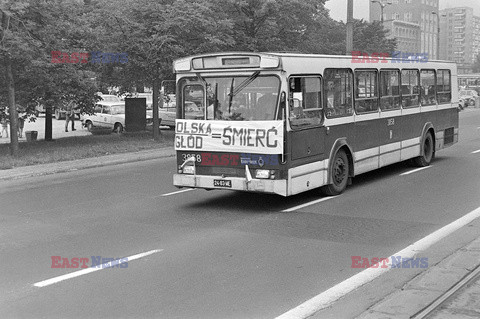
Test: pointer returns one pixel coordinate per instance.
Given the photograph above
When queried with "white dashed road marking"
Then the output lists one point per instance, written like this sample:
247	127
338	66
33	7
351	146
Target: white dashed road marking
308	204
178	192
415	170
85	271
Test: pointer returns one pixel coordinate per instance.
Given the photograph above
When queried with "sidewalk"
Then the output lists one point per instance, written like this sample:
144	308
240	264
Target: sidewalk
58	130
463	305
430	285
52	168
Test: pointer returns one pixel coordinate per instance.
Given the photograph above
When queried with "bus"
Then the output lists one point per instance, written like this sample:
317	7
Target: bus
469	80
284	123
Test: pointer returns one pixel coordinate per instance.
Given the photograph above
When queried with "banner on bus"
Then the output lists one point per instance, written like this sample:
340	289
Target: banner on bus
265	137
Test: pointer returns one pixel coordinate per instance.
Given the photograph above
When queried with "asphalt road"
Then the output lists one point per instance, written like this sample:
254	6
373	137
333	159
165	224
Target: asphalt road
216	254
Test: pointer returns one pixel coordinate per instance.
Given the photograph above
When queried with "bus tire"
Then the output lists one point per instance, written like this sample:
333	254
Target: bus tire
339	173
427	152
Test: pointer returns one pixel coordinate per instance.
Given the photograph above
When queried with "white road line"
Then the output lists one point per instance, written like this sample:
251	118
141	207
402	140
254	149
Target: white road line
415	170
307	204
178	192
85	271
326	298
475	152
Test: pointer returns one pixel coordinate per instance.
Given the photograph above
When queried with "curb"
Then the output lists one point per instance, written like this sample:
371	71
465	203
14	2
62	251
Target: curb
428	286
68	166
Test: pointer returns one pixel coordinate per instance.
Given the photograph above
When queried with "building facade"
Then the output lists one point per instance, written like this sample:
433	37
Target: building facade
460	37
414	23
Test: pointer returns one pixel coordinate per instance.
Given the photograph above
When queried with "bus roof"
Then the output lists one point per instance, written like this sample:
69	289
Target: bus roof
282	60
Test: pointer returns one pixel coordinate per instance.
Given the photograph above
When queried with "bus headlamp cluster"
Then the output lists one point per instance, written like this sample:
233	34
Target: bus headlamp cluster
187	169
265	174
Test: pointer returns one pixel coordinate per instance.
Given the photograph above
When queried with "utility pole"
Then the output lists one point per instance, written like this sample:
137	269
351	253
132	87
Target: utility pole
349	47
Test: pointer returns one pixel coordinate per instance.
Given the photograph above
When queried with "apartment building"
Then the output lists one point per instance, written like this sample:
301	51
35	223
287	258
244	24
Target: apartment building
414	23
460	37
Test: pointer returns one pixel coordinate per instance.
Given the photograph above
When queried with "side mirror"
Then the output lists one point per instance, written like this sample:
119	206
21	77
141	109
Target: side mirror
283	105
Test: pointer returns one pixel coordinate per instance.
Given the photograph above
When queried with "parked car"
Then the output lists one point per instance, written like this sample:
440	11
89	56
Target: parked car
468	96
168	113
107	115
109	98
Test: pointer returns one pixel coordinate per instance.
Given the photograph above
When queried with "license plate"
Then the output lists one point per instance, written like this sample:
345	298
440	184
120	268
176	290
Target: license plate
222	183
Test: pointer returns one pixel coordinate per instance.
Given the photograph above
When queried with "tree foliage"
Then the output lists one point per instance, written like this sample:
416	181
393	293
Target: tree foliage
372	38
153	33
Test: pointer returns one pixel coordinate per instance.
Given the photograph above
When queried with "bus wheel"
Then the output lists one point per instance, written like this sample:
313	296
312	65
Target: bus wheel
428	152
339	175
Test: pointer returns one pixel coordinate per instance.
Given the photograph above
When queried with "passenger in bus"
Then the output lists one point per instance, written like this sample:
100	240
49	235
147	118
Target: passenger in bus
210	112
331	95
266	105
334	99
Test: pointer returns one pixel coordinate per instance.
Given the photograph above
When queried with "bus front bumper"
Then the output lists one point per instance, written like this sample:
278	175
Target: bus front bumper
278	187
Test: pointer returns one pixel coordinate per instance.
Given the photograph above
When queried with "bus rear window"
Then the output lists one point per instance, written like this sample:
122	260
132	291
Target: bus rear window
428	87
444	88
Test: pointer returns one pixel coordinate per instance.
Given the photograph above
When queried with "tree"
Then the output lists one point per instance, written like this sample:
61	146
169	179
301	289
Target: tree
153	33
372	38
42	27
274	25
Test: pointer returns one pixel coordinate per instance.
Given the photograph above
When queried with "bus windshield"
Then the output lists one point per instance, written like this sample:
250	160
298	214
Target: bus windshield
234	98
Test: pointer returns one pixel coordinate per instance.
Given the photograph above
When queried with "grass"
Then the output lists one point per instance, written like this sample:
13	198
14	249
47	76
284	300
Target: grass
77	147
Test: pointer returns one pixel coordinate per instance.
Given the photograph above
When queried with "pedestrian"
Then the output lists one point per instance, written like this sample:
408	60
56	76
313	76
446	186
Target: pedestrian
4	123
70	115
21	123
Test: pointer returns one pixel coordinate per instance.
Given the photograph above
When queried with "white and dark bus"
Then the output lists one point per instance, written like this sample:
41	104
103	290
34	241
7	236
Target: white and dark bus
288	123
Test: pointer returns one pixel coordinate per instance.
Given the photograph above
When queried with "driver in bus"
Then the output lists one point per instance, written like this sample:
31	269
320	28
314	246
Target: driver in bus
266	105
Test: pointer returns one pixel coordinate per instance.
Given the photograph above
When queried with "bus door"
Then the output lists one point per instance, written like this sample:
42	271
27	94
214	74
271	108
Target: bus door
306	140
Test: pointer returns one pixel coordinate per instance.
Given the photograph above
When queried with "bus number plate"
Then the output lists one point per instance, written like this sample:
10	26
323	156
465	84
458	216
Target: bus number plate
222	183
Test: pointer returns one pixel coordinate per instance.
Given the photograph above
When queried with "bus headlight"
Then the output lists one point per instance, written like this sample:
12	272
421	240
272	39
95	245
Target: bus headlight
189	169
264	173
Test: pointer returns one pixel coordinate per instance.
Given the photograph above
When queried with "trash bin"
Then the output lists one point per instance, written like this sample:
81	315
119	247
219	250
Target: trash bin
31	135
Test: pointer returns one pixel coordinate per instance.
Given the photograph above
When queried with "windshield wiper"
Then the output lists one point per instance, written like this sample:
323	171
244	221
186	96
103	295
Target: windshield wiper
245	82
240	87
230	98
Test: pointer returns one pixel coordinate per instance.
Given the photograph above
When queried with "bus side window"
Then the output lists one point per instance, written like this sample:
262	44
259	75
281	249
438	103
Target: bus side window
366	96
337	84
428	84
444	88
305	101
410	88
389	90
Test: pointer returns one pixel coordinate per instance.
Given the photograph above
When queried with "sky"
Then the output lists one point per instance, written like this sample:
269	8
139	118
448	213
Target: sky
338	8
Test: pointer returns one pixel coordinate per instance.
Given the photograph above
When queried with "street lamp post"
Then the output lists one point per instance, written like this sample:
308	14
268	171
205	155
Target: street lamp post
382	6
438	34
